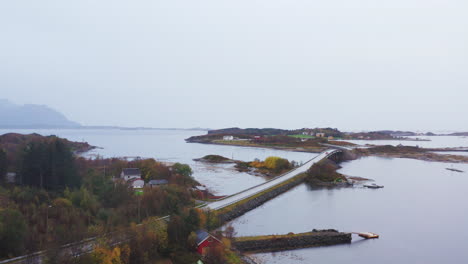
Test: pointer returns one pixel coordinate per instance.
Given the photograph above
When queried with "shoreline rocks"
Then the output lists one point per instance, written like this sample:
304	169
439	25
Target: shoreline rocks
273	243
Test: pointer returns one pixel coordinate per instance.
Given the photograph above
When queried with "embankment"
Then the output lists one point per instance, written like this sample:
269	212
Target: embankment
240	208
316	238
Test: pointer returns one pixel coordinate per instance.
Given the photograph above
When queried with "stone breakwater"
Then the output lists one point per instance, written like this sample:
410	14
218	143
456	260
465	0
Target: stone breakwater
242	207
272	243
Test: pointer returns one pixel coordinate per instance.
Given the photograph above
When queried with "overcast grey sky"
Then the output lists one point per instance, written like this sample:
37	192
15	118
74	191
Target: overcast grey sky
350	64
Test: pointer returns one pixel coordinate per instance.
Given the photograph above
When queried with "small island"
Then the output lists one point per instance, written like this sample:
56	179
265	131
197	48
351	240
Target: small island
270	167
215	159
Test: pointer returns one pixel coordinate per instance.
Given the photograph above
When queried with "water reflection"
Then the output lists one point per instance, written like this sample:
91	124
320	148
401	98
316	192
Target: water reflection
420	215
434	142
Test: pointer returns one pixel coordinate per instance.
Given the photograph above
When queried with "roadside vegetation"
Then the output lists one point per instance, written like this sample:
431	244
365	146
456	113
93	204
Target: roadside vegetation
295	180
271	166
159	241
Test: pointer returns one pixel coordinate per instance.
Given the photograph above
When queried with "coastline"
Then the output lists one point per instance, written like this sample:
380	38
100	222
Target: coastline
424	156
261	146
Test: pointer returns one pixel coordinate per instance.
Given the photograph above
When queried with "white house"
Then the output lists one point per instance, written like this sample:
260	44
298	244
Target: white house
319	135
130	173
137	183
228	138
10	177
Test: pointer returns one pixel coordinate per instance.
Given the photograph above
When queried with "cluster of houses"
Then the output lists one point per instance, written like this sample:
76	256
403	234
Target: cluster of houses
317	135
132	176
259	138
232	138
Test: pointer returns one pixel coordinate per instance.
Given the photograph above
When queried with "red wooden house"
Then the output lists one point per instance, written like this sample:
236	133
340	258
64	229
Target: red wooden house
205	240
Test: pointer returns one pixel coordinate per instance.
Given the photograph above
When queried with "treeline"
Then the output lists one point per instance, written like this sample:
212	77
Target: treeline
3	164
274	131
248	131
60	198
47	164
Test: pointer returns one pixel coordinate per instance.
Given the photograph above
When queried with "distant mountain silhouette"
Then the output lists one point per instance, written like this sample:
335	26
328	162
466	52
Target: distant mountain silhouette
31	116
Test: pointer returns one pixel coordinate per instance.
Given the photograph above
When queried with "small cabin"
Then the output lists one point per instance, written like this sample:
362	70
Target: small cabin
205	240
320	135
130	173
257	138
154	183
228	138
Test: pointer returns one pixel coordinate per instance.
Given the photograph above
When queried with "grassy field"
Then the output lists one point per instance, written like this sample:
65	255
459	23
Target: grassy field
301	136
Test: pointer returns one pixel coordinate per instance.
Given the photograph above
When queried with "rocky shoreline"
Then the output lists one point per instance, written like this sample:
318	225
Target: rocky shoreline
237	210
272	243
315	150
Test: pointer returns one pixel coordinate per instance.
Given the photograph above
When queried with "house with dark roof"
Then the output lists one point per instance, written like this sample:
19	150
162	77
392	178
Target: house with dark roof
154	183
130	173
205	240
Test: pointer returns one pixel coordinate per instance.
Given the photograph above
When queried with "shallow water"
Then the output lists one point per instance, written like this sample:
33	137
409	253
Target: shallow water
457	153
434	142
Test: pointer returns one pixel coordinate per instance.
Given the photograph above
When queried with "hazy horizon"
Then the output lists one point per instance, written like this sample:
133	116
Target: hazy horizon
353	65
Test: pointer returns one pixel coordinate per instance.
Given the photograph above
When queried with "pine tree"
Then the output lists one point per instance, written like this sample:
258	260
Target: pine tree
3	165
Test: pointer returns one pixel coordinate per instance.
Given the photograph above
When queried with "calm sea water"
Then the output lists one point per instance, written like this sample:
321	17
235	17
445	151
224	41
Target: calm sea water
170	146
434	142
421	215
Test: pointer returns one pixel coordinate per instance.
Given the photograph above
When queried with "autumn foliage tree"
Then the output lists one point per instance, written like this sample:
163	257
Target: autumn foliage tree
106	255
277	163
215	254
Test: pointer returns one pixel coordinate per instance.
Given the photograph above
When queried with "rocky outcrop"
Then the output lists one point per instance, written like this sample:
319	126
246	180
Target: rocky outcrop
215	159
316	238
